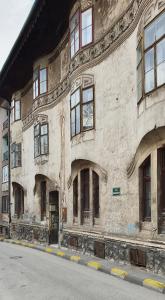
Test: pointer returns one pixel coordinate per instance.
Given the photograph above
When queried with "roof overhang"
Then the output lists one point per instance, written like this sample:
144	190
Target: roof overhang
41	33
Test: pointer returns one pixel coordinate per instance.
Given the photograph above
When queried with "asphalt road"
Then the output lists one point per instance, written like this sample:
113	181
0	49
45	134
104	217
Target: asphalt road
28	274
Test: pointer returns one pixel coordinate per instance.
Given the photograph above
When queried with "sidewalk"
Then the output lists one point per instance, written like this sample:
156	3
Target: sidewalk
129	273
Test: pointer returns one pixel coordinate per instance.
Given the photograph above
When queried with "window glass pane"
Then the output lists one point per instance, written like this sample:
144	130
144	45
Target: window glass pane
77	119
160	52
149	60
43	87
76	45
88	116
5	174
44	129
74	21
75	98
161	74
37	130
43	75
73	131
87	18
36	88
35	74
149	81
88	95
149	35
17	110
37	146
44	144
160	26
86	36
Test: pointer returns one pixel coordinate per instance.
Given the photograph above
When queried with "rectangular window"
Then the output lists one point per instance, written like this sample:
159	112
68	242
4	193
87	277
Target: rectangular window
40	81
15	110
81	33
40	139
16	155
86	27
154	54
82	110
5	204
5	174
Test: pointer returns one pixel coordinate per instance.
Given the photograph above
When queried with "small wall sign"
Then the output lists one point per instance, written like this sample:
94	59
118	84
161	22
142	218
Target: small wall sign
116	191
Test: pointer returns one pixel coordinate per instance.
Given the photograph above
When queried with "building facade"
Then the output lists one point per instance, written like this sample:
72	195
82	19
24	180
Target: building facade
88	128
4	174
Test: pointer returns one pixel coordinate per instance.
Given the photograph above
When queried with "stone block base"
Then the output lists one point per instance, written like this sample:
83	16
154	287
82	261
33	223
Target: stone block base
132	252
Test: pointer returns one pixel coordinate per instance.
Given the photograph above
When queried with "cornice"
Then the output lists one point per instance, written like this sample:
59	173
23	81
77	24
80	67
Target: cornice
91	56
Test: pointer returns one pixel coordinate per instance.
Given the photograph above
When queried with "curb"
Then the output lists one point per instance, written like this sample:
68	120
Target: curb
119	273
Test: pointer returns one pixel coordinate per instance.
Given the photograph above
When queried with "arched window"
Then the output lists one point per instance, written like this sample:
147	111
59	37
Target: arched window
145	182
87	184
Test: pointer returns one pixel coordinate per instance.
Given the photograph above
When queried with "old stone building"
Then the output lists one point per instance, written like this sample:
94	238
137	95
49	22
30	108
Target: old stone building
86	82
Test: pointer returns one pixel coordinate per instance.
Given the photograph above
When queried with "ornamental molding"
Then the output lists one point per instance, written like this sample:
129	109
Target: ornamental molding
93	55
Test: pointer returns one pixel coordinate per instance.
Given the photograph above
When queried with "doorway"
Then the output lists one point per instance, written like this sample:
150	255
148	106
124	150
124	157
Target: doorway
53	217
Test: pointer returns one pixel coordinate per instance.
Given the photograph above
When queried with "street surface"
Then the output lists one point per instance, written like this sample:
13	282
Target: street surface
28	274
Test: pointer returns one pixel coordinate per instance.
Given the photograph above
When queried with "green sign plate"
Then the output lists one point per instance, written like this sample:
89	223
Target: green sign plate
116	191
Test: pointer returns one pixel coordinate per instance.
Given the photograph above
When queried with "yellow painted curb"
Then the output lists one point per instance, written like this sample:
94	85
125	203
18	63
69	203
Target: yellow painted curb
94	264
60	253
119	273
154	284
75	258
30	245
49	250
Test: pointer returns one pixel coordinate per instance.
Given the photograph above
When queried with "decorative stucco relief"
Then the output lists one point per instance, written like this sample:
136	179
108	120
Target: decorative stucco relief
94	54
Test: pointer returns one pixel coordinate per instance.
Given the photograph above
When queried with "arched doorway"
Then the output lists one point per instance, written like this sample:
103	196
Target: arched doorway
53	217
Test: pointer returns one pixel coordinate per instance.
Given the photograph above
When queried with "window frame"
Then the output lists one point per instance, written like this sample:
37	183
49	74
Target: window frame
39	69
14	154
144	51
13	110
39	136
81	110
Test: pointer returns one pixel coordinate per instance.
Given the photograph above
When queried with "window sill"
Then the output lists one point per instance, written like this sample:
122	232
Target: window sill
83	137
41	160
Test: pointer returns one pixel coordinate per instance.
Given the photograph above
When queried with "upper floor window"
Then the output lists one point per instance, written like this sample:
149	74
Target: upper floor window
15	110
39	82
152	59
81	30
40	139
82	110
15	155
5	174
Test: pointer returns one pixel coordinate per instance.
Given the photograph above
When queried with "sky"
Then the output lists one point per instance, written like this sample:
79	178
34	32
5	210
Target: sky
13	14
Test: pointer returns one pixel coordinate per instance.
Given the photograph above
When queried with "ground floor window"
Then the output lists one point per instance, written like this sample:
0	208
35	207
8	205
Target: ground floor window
86	195
5	204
